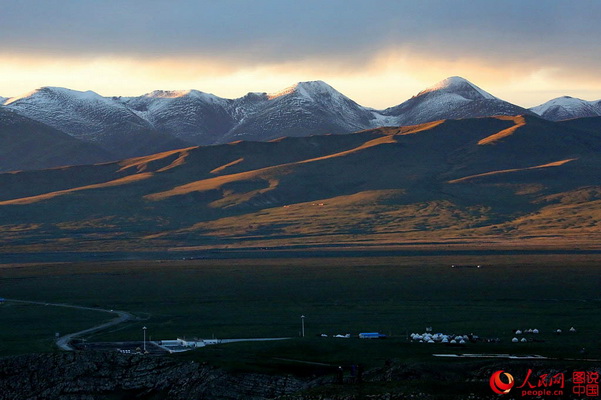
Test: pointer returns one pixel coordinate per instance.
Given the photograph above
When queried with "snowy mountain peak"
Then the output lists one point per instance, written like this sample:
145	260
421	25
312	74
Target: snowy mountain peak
460	86
254	96
566	102
167	94
567	107
451	98
56	93
315	86
307	89
23	96
176	94
450	82
284	92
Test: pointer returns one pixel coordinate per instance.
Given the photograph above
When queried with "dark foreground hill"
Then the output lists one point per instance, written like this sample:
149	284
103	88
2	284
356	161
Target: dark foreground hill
110	375
94	376
497	180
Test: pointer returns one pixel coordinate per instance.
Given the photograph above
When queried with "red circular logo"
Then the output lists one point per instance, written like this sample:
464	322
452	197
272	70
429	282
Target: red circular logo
498	386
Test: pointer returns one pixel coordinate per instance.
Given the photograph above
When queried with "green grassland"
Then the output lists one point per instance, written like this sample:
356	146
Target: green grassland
247	298
28	328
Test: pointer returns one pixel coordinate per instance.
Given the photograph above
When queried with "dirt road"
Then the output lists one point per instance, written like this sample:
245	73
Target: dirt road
63	342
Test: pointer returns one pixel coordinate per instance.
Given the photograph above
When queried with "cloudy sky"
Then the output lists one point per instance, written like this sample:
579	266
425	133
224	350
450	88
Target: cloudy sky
379	53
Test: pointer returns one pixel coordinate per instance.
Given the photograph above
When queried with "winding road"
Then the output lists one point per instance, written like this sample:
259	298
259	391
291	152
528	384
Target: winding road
63	342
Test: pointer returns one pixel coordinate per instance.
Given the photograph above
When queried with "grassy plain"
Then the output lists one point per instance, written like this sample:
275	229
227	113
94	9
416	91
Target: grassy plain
245	298
28	328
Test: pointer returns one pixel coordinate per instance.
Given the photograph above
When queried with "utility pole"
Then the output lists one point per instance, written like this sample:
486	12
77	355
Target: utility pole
144	329
302	326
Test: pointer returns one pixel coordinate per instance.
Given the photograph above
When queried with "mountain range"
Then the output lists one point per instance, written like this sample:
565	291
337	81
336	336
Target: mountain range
514	180
168	171
113	128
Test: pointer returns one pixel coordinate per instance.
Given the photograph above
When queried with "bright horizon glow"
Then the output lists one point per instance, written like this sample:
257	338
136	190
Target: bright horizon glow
389	79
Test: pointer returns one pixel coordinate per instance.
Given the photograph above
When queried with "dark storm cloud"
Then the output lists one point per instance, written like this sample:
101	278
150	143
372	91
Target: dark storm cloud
274	31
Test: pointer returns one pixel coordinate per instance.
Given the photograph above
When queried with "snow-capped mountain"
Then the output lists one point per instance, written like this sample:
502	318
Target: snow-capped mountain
165	120
306	108
203	119
451	98
192	116
94	119
80	114
567	107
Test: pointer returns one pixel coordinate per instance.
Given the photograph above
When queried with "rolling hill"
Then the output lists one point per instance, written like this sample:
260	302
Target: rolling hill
501	180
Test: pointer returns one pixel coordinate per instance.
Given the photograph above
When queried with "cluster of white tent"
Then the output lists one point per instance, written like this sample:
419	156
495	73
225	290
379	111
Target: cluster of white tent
524	331
429	337
534	331
571	330
519	331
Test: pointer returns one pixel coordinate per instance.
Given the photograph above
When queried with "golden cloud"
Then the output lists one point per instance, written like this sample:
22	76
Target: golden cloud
386	79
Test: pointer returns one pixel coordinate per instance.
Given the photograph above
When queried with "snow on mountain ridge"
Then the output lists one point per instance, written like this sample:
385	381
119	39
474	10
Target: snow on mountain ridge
567	107
451	98
174	94
306	108
167	94
283	92
568	102
306	89
88	116
58	93
199	118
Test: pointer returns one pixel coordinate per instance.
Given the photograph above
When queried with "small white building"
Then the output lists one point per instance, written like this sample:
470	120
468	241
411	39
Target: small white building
179	345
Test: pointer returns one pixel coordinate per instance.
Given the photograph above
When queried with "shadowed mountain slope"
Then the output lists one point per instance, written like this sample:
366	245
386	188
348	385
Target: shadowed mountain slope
500	178
592	126
27	144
